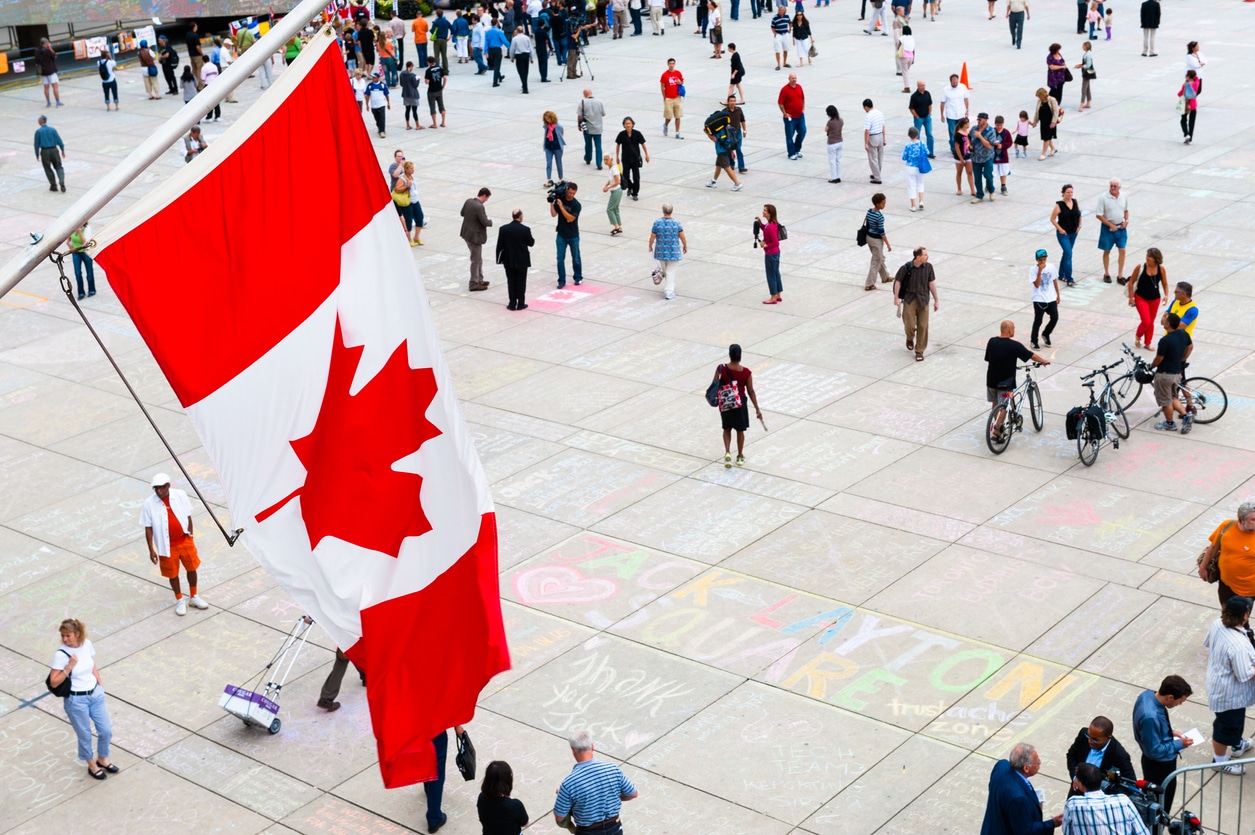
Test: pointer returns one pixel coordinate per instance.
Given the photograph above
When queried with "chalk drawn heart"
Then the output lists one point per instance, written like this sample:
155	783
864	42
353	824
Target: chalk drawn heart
631	739
561	584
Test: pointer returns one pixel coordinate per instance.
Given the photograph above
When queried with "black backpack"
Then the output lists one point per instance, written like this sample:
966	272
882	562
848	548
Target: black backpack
62	690
719	126
103	66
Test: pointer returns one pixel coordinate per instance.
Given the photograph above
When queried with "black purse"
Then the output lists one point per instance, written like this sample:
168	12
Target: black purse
712	390
62	690
465	759
861	237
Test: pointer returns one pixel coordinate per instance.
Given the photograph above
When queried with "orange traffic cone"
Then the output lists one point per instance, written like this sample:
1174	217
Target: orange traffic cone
963	75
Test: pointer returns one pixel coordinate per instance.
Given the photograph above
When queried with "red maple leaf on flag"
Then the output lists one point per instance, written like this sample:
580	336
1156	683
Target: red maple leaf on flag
352	491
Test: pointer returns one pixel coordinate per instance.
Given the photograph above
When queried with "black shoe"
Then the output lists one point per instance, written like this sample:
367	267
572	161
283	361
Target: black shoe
1047	341
510	306
1036	347
521	307
330	707
443	820
52	188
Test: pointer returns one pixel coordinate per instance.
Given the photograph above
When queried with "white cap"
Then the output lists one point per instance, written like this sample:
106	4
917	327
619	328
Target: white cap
160	479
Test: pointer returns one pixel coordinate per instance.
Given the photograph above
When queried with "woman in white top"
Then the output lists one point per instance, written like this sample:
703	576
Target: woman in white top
1194	61
714	20
108	80
906	57
85	706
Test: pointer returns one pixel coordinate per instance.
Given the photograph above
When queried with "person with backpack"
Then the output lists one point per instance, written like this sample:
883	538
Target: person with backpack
108	81
723	131
168	57
76	678
148	66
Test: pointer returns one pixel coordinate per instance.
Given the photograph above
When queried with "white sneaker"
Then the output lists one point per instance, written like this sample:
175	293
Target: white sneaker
712	184
665	127
199	603
669	296
1244	745
180	607
738	187
1233	768
679	135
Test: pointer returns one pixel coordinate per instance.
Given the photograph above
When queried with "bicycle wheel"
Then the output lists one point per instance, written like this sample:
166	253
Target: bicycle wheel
998	442
1111	403
1210	401
1086	447
1127	389
1035	407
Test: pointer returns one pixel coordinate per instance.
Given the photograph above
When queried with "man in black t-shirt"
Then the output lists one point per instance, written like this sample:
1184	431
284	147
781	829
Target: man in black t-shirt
1002	353
194	53
434	76
921	106
567	211
1173	350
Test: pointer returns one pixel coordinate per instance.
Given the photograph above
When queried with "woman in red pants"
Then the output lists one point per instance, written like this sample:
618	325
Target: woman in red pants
1148	285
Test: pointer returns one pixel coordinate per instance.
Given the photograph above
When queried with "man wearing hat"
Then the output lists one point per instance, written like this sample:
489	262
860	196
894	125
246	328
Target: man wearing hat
148	66
377	92
1045	297
167	520
169	59
985	143
1230	680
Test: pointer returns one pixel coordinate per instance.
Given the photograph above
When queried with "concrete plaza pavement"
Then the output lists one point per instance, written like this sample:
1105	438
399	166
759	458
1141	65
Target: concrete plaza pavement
840	637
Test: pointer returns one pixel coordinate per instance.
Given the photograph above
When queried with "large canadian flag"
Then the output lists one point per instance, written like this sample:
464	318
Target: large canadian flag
274	286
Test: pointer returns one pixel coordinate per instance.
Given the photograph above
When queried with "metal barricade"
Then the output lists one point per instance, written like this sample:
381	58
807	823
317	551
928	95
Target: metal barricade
1215	801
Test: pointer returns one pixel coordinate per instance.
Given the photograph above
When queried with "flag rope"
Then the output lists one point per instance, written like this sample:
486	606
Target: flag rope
59	259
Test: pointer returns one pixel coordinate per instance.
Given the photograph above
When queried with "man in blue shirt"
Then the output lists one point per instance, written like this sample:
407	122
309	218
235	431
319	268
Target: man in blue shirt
591	796
1159	743
442	29
49	149
985	142
496	43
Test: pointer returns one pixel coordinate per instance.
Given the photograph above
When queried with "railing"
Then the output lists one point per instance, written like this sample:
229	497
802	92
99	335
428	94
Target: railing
1207	802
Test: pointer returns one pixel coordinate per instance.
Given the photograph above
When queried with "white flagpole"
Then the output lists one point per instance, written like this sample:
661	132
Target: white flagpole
158	143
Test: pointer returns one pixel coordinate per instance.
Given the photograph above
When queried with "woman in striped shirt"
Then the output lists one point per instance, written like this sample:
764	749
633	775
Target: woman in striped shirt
1230	679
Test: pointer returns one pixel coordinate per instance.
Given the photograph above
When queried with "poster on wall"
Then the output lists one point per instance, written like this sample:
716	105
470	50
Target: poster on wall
146	33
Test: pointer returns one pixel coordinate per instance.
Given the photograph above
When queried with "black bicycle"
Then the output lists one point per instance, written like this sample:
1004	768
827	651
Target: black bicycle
1089	424
1005	418
1205	400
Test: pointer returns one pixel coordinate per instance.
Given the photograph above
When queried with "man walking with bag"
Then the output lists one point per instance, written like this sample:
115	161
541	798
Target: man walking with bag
912	286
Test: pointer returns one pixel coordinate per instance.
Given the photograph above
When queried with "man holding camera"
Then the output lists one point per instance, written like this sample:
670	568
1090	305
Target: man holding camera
589	118
564	206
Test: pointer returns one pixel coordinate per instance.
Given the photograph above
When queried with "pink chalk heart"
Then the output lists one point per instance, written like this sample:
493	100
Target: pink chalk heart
631	739
561	584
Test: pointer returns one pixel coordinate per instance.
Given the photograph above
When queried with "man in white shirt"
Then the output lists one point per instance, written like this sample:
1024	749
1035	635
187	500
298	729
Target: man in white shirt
655	16
954	104
1112	212
874	138
1017	13
521	52
167	520
1045	297
397	27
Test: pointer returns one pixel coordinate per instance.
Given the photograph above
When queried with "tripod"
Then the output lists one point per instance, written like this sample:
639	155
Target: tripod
580	55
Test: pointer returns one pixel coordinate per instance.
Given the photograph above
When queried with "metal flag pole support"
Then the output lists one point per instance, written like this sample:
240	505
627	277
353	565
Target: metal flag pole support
59	259
157	144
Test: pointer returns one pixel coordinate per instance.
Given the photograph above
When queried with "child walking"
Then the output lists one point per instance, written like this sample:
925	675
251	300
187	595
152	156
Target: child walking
1021	135
1108	23
1002	164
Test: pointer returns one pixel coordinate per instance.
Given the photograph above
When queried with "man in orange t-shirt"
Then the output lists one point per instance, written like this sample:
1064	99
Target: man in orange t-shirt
1237	554
419	27
167	520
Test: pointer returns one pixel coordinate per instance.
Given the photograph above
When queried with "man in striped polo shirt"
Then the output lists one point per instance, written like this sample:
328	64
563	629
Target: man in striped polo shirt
591	795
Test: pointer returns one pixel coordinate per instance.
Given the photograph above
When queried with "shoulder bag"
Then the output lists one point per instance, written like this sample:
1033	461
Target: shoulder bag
712	390
62	690
924	164
861	237
729	396
401	198
1209	559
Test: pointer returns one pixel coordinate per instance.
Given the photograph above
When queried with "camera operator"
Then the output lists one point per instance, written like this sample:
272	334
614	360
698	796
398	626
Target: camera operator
564	206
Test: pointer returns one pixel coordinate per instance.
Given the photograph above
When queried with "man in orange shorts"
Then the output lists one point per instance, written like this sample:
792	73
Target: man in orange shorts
167	520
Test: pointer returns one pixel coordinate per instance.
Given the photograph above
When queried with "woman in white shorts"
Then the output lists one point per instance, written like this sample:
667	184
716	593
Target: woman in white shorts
915	155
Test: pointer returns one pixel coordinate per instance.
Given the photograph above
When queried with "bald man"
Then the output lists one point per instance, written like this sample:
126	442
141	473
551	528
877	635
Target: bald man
1002	352
588	117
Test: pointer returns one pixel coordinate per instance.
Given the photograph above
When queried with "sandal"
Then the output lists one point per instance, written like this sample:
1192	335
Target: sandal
99	774
109	767
919	357
910	345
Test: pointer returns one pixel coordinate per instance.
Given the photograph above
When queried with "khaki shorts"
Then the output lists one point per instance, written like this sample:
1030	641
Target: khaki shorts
185	553
673	108
1166	388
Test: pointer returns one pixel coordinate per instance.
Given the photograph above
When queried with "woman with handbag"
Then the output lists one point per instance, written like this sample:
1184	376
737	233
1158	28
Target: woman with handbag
801	28
915	155
1087	75
715	19
148	66
1057	72
75	662
734	383
401	199
1230	559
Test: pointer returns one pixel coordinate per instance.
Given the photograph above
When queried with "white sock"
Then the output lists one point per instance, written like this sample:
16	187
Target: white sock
1219	758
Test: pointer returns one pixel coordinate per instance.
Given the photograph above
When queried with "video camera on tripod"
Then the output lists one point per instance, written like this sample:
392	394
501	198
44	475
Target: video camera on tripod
1146	799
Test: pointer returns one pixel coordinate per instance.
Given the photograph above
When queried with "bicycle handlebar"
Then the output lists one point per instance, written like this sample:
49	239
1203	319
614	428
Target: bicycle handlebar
1103	370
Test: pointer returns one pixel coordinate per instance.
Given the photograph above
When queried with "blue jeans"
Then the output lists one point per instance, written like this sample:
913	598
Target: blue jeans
560	48
983	170
477	54
772	263
794	133
577	266
79	260
927	125
1016	22
1066	242
951	124
756	8
420	49
736	10
435	789
740	157
550	156
391	77
85	711
592	140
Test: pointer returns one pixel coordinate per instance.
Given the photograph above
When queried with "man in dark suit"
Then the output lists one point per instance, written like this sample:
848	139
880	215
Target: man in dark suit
475	223
513	242
1098	746
1013	807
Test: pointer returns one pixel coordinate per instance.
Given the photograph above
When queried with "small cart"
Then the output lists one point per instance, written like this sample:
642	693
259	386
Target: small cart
261	708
